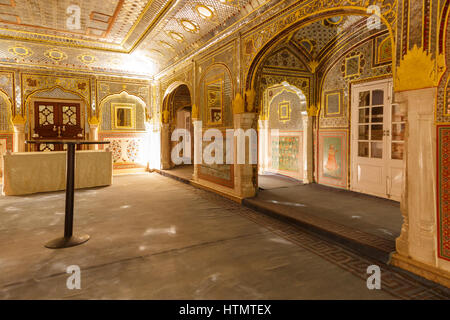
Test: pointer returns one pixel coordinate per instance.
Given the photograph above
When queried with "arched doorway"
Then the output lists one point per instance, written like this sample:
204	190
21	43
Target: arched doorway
177	124
281	135
331	58
56	114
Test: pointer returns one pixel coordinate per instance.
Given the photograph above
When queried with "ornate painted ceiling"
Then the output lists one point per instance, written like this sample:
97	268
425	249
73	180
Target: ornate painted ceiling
131	37
125	36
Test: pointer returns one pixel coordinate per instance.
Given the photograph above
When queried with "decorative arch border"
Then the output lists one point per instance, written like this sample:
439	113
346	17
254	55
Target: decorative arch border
286	88
205	73
308	14
9	107
174	85
121	94
169	96
31	95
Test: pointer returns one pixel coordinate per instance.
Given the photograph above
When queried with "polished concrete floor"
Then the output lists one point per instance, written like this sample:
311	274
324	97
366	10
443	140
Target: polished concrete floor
373	215
156	238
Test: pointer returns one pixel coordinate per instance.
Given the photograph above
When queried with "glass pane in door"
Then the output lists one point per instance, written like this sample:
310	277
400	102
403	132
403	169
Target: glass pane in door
376	150
376	132
397	150
363	149
364	98
377	97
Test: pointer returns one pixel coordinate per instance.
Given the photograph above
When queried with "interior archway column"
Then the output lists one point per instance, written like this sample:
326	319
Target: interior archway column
417	244
197	140
307	148
93	132
244	186
165	146
263	152
19	134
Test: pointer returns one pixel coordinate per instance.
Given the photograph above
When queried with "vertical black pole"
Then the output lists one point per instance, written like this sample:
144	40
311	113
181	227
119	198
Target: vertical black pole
70	182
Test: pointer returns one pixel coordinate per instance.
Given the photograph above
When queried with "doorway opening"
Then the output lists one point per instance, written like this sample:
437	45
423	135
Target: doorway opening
281	134
178	107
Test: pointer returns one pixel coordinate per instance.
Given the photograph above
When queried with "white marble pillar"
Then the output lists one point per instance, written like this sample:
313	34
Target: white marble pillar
93	135
417	244
19	137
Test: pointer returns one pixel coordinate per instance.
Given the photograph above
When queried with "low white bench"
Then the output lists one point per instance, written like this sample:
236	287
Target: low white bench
32	172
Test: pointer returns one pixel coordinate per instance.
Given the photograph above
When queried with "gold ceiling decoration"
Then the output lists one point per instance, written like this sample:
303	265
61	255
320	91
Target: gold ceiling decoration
166	45
205	12
55	54
87	58
20	51
176	36
332	20
189	26
155	52
112	27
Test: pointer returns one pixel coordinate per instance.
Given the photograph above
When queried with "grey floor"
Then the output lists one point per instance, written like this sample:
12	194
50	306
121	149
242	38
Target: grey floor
156	238
377	216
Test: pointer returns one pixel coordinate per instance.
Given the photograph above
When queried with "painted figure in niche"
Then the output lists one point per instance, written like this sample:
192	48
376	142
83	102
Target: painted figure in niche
332	165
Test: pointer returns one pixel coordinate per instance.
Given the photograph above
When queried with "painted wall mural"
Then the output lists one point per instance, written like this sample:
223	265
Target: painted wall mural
443	194
128	150
333	158
285	153
222	174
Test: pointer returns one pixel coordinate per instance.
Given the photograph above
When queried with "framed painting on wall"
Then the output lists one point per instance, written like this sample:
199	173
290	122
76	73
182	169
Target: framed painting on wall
123	116
333	104
214	101
333	158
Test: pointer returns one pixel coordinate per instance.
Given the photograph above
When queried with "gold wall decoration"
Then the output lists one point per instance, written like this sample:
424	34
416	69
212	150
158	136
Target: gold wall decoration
313	64
165	116
93	120
238	104
18	119
250	96
333	103
87	58
214	100
312	110
284	111
55	54
20	51
301	15
194	111
123	115
417	70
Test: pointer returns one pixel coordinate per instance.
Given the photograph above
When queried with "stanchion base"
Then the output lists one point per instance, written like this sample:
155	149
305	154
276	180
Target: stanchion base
67	242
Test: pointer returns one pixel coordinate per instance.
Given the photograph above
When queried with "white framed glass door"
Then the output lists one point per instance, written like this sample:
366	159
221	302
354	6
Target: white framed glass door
378	128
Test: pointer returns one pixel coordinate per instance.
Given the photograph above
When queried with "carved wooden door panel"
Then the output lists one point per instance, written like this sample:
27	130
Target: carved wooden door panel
56	121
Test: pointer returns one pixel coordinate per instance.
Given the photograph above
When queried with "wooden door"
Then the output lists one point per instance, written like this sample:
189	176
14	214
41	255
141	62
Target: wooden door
56	121
377	165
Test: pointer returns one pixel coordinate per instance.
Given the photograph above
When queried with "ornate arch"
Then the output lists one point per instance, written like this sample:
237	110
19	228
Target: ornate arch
122	94
257	44
32	94
9	108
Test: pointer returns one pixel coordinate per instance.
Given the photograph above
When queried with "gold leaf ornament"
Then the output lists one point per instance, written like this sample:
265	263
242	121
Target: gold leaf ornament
417	70
238	104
